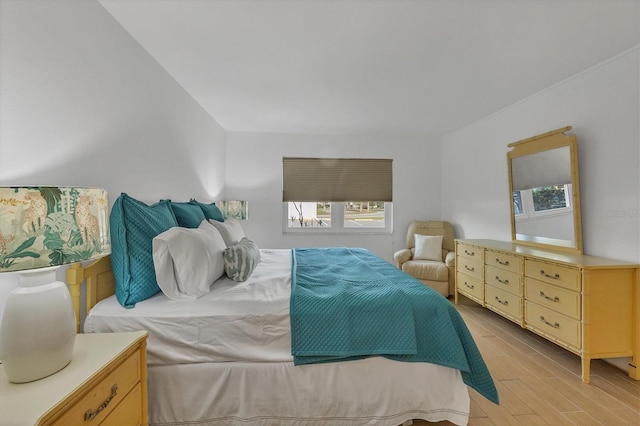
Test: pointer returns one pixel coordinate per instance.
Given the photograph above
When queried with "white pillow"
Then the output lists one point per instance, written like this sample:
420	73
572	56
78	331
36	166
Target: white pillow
428	247
230	229
188	260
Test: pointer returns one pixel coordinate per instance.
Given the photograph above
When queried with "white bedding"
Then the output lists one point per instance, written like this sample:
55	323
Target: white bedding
373	391
191	380
236	321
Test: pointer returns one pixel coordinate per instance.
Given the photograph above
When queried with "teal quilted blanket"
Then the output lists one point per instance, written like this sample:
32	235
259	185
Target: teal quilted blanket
348	304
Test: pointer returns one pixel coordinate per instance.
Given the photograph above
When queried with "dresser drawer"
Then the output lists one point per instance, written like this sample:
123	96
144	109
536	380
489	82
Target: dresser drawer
553	324
506	261
560	275
470	252
470	267
128	412
503	301
559	299
109	392
471	287
505	280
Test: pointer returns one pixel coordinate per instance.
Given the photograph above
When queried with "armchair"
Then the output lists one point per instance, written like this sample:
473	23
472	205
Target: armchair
438	272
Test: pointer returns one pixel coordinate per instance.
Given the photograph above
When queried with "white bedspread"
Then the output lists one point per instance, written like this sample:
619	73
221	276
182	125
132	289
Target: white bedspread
189	382
236	321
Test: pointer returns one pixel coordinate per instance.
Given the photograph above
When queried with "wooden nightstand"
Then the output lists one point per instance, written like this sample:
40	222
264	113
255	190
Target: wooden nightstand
105	384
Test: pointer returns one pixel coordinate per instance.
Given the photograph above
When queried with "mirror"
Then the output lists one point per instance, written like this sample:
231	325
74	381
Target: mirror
544	191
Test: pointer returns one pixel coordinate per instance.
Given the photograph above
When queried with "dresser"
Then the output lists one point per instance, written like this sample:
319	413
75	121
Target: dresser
588	305
104	384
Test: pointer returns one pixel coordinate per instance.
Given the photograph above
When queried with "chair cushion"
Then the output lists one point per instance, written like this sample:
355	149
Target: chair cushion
426	270
428	247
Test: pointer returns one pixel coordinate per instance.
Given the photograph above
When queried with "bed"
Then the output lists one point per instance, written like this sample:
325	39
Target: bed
246	352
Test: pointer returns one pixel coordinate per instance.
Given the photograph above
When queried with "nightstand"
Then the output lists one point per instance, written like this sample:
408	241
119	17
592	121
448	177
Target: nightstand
104	384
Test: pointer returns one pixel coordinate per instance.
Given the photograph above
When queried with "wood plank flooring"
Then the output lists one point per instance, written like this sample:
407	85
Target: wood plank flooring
539	383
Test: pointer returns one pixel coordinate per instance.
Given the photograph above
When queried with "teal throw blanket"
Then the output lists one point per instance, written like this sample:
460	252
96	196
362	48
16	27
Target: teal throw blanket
349	304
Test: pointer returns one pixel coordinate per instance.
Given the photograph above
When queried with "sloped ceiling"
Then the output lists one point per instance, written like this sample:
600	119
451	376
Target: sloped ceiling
357	66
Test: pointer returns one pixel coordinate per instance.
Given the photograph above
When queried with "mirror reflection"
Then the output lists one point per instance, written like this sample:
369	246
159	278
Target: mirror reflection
544	205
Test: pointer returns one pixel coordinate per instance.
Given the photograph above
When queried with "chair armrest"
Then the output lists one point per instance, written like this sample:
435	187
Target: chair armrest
450	259
401	256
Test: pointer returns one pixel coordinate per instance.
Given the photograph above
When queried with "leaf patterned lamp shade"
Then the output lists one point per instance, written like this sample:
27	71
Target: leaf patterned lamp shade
42	228
235	209
49	226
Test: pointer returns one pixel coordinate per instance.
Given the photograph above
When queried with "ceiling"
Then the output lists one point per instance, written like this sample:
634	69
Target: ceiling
379	66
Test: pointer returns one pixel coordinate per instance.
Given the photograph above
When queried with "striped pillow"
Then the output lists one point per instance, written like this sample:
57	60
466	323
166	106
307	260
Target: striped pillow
241	259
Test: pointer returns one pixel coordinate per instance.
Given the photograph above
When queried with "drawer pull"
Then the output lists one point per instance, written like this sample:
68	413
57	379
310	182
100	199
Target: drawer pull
469	286
502	302
90	414
554	325
553	299
553	277
502	281
469	269
505	263
469	253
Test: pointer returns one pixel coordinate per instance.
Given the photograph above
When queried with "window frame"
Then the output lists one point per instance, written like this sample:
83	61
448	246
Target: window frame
337	222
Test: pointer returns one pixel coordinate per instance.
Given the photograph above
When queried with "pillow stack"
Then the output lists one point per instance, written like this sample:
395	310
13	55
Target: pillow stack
178	248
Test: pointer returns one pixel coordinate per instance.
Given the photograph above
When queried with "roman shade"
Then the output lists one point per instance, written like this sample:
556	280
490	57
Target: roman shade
336	179
545	168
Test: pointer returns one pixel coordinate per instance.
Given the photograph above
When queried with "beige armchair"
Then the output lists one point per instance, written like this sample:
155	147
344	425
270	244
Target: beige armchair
438	274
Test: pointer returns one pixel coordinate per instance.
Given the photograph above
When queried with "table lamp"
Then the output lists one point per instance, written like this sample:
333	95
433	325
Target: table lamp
42	228
235	209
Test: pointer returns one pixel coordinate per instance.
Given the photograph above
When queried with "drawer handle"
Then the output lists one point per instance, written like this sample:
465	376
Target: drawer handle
502	281
90	414
553	299
502	302
553	277
469	253
554	325
469	286
469	269
505	263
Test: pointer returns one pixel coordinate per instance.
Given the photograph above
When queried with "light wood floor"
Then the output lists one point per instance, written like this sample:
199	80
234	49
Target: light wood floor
539	383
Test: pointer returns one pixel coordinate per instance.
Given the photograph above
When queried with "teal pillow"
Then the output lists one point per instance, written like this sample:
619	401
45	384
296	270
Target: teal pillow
241	259
211	211
133	226
187	215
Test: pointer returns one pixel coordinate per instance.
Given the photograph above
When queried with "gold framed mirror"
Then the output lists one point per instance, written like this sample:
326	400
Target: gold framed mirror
545	191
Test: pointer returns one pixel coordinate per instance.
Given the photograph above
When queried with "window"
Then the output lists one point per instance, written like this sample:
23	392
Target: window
549	197
338	181
364	214
309	214
338	216
545	200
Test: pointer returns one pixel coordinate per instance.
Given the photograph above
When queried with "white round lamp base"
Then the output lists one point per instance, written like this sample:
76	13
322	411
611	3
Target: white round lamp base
37	334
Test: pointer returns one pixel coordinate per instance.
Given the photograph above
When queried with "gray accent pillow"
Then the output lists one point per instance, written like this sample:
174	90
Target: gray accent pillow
241	259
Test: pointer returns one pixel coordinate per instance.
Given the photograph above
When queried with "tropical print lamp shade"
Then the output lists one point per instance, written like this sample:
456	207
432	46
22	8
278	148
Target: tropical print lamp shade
48	226
235	209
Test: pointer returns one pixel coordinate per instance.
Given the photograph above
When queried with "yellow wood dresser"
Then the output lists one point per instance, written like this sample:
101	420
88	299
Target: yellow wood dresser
588	305
104	384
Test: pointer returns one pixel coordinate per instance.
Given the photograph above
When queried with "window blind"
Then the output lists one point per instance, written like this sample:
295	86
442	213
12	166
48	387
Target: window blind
545	168
336	179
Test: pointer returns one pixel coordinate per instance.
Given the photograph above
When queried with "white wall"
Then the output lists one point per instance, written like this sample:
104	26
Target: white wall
83	104
254	173
601	104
